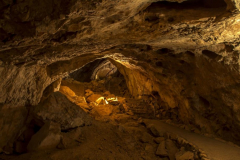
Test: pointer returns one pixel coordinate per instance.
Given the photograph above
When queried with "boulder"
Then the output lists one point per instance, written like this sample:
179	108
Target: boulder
88	92
184	155
67	91
154	131
102	110
46	138
149	149
95	98
172	149
81	102
80	99
77	87
158	140
161	150
59	109
145	138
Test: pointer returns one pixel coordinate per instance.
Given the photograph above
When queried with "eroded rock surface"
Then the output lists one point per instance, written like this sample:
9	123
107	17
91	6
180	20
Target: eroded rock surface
11	122
180	57
47	137
59	109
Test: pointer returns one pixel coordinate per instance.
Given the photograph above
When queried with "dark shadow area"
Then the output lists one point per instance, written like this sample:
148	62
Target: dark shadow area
211	54
84	74
174	12
164	51
20	145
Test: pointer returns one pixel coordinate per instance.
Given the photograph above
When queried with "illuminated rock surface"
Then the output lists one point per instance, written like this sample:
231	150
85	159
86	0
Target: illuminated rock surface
171	60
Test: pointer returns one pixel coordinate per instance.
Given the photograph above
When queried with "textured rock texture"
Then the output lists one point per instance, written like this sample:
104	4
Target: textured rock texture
11	122
184	53
47	137
59	109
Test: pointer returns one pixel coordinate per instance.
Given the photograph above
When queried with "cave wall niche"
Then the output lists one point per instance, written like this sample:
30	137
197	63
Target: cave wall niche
174	12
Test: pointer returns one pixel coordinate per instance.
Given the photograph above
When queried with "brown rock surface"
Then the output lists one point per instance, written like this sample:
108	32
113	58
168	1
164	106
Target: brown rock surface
183	55
59	109
172	149
183	155
96	98
158	140
161	150
102	110
47	137
11	122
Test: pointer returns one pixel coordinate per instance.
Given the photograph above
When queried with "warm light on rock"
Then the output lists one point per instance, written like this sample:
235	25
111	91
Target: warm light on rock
120	79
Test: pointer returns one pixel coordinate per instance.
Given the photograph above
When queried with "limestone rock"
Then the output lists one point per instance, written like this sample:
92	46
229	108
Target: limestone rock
102	110
59	109
161	150
47	137
184	155
75	86
149	148
80	99
20	147
59	41
11	122
154	131
73	28
84	106
172	149
145	138
158	140
88	93
67	91
22	85
54	87
97	98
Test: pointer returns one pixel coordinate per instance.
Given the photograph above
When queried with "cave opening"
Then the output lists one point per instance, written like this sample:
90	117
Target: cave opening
101	90
101	71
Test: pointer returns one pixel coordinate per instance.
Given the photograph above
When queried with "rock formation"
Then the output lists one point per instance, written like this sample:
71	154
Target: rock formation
178	60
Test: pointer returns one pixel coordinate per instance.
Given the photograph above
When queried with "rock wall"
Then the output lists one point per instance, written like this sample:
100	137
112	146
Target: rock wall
188	53
22	85
198	89
11	123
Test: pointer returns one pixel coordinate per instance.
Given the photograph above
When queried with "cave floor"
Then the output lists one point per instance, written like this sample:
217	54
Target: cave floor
215	149
120	129
133	139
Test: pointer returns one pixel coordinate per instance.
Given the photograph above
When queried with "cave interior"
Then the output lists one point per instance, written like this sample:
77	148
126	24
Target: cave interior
122	79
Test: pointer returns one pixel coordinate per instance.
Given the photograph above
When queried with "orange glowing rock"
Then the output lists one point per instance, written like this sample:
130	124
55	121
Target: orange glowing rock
95	98
67	91
102	110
